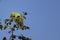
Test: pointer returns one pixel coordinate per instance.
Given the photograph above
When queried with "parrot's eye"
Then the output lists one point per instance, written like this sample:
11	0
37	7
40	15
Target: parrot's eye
13	16
18	16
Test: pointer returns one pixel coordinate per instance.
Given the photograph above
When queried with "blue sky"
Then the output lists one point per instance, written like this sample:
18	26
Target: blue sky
43	17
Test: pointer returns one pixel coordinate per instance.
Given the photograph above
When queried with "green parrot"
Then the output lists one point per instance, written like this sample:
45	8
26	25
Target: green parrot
18	18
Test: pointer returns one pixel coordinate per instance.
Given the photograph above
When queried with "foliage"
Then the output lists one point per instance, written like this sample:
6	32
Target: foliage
18	25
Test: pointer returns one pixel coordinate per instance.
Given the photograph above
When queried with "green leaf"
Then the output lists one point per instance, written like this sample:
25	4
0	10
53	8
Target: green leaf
12	39
28	38
19	37
12	29
25	13
1	26
24	17
14	25
5	27
4	38
13	36
9	32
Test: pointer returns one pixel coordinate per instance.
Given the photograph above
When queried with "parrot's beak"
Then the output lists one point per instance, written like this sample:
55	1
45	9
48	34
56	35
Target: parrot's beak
11	17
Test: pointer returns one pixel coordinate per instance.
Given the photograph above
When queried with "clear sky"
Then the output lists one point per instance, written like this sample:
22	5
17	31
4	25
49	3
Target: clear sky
43	17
